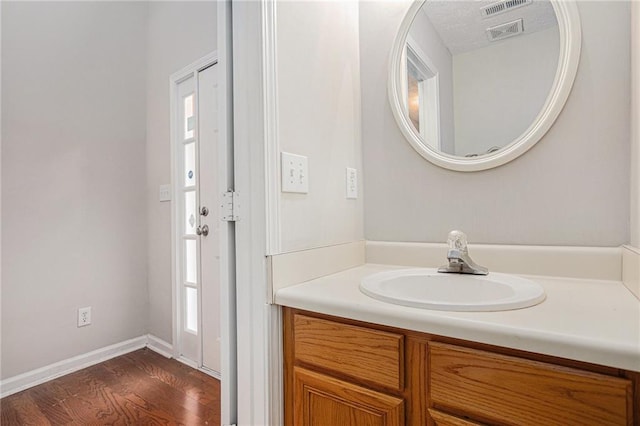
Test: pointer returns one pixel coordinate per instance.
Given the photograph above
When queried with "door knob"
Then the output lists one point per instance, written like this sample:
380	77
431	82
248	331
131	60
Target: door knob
203	230
204	211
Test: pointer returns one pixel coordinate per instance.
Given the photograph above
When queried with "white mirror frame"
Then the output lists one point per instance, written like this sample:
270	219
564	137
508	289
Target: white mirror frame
570	45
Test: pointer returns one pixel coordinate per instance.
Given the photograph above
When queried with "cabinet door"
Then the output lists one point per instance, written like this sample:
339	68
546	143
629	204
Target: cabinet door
321	400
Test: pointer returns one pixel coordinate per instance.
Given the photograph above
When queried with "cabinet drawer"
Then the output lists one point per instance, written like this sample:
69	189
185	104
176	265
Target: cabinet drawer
511	390
361	353
441	419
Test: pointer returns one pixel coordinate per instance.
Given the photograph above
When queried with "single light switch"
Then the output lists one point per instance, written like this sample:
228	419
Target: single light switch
295	173
352	183
165	192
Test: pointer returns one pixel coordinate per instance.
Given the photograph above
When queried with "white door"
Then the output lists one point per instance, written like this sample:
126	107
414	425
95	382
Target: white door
198	171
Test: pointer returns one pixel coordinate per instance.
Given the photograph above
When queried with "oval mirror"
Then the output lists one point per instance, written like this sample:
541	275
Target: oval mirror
475	84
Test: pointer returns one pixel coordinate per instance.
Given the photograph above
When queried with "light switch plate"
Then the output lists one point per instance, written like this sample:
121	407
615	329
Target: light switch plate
352	183
295	173
165	193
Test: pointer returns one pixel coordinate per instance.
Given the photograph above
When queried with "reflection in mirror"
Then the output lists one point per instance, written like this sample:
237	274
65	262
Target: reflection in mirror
478	73
423	94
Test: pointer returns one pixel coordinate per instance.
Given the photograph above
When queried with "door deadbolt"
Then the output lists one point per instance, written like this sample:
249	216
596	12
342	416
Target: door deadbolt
203	230
204	211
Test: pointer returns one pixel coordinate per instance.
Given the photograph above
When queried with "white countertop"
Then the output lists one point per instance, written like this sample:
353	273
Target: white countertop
593	321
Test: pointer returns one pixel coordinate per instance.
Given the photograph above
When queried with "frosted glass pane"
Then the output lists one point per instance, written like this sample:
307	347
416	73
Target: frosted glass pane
189	119
190	164
190	212
190	261
191	308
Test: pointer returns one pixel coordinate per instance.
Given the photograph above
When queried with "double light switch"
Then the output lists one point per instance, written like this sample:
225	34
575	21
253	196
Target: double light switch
295	173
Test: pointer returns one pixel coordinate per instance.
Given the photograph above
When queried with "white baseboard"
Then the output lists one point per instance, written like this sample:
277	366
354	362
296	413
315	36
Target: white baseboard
210	372
187	361
159	346
44	374
41	375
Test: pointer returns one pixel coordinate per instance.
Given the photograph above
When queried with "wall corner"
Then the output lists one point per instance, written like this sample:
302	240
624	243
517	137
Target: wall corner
631	269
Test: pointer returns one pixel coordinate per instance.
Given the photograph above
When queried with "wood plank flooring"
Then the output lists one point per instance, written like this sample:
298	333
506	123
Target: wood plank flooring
139	388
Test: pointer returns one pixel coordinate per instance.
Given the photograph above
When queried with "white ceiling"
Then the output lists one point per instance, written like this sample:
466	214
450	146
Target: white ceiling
462	27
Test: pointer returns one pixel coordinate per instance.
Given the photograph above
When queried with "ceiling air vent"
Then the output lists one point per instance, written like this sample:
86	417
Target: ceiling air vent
502	6
503	31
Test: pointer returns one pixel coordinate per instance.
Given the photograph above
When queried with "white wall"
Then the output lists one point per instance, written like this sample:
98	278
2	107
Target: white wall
427	37
73	172
635	124
501	88
318	78
179	34
572	188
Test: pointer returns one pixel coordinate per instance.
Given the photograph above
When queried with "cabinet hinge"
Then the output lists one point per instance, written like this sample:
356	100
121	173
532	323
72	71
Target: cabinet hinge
230	206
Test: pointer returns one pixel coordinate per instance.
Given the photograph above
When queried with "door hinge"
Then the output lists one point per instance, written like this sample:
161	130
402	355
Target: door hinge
230	206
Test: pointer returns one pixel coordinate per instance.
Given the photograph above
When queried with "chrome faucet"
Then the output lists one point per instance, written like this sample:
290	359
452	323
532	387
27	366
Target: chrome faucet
458	255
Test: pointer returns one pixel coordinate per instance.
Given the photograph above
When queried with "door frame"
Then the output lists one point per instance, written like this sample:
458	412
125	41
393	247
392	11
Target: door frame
228	309
259	324
422	62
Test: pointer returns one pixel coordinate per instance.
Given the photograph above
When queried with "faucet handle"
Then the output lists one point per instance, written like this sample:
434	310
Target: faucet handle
457	240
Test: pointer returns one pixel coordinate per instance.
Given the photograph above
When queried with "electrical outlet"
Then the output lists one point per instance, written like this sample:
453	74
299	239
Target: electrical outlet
84	316
295	173
352	183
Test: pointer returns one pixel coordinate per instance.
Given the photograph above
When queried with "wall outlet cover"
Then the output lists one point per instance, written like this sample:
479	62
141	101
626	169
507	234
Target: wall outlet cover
84	316
295	173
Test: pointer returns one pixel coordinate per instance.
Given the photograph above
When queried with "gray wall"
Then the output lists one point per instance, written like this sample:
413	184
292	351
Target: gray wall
73	173
85	145
179	34
500	89
572	188
635	124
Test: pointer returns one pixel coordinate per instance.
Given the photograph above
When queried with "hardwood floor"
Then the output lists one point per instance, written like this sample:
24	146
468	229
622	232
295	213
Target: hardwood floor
139	388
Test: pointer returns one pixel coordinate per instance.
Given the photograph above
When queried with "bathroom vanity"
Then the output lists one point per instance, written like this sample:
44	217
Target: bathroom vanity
352	360
343	372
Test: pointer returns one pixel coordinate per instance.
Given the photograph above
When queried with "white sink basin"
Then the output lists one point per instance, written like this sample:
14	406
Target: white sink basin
429	289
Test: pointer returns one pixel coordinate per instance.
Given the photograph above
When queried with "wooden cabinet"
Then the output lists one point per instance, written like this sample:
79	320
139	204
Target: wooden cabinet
323	401
513	390
442	419
342	372
364	354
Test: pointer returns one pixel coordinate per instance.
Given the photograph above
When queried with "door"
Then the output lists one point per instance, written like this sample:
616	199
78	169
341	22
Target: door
199	172
322	400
